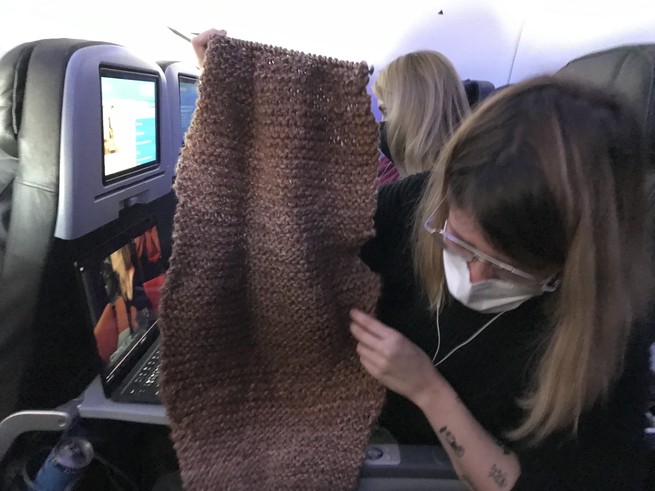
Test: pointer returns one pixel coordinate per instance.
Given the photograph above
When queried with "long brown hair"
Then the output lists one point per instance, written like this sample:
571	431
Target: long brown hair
424	102
554	172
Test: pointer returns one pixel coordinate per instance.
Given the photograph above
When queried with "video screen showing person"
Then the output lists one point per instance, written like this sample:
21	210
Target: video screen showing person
124	290
188	98
129	121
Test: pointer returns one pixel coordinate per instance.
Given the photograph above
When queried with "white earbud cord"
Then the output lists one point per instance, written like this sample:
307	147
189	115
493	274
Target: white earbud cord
475	334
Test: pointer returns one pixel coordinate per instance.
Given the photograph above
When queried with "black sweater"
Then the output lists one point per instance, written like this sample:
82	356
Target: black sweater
493	370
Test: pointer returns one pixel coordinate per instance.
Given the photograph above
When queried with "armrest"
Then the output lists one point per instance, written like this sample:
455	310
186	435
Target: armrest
407	461
16	424
389	466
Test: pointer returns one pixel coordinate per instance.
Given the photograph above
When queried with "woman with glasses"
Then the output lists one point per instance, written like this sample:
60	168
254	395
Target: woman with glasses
516	280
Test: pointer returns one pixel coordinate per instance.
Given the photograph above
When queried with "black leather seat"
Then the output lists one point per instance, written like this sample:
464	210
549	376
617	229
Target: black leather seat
630	72
627	70
8	168
46	356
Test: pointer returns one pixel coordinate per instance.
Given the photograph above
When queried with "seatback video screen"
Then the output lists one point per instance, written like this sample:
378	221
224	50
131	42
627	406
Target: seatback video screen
188	99
130	125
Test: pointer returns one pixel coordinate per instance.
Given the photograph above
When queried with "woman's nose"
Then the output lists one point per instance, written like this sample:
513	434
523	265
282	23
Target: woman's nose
480	271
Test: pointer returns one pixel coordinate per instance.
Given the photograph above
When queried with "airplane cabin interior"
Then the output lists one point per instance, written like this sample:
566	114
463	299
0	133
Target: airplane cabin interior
93	119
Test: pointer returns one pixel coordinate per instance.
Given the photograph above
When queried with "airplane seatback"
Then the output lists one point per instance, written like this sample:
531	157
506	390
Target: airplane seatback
181	94
12	88
66	196
628	70
32	93
477	90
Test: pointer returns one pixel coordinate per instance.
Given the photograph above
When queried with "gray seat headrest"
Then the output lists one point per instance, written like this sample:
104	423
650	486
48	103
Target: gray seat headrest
13	73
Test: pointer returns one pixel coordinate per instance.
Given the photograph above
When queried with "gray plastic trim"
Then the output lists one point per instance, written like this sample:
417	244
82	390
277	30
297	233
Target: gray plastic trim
96	406
173	71
16	424
85	203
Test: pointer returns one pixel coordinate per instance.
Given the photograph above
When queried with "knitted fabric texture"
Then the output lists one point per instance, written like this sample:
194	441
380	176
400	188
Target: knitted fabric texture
260	376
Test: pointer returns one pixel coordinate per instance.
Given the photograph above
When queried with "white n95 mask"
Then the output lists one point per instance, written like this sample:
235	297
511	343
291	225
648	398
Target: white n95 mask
488	296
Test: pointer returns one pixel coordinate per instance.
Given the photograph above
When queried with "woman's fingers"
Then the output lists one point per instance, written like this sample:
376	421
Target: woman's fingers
369	367
370	354
371	324
201	41
364	336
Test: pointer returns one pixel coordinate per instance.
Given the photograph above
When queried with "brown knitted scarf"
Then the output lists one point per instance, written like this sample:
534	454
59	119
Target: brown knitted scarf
260	376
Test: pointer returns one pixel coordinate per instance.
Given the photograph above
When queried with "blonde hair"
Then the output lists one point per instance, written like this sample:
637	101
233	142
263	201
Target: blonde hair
424	102
554	174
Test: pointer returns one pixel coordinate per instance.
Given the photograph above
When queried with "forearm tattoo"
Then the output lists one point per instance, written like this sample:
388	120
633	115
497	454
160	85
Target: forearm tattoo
450	438
499	477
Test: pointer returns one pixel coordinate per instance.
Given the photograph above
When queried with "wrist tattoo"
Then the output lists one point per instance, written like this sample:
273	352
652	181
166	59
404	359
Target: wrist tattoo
499	477
450	438
464	479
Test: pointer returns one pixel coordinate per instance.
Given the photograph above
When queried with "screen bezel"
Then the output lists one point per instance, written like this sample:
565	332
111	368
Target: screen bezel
138	75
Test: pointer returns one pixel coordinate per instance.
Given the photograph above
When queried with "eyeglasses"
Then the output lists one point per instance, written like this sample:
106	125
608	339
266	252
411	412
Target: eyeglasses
469	253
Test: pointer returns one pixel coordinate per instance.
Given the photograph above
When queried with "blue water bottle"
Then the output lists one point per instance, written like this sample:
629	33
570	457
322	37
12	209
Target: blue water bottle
65	465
